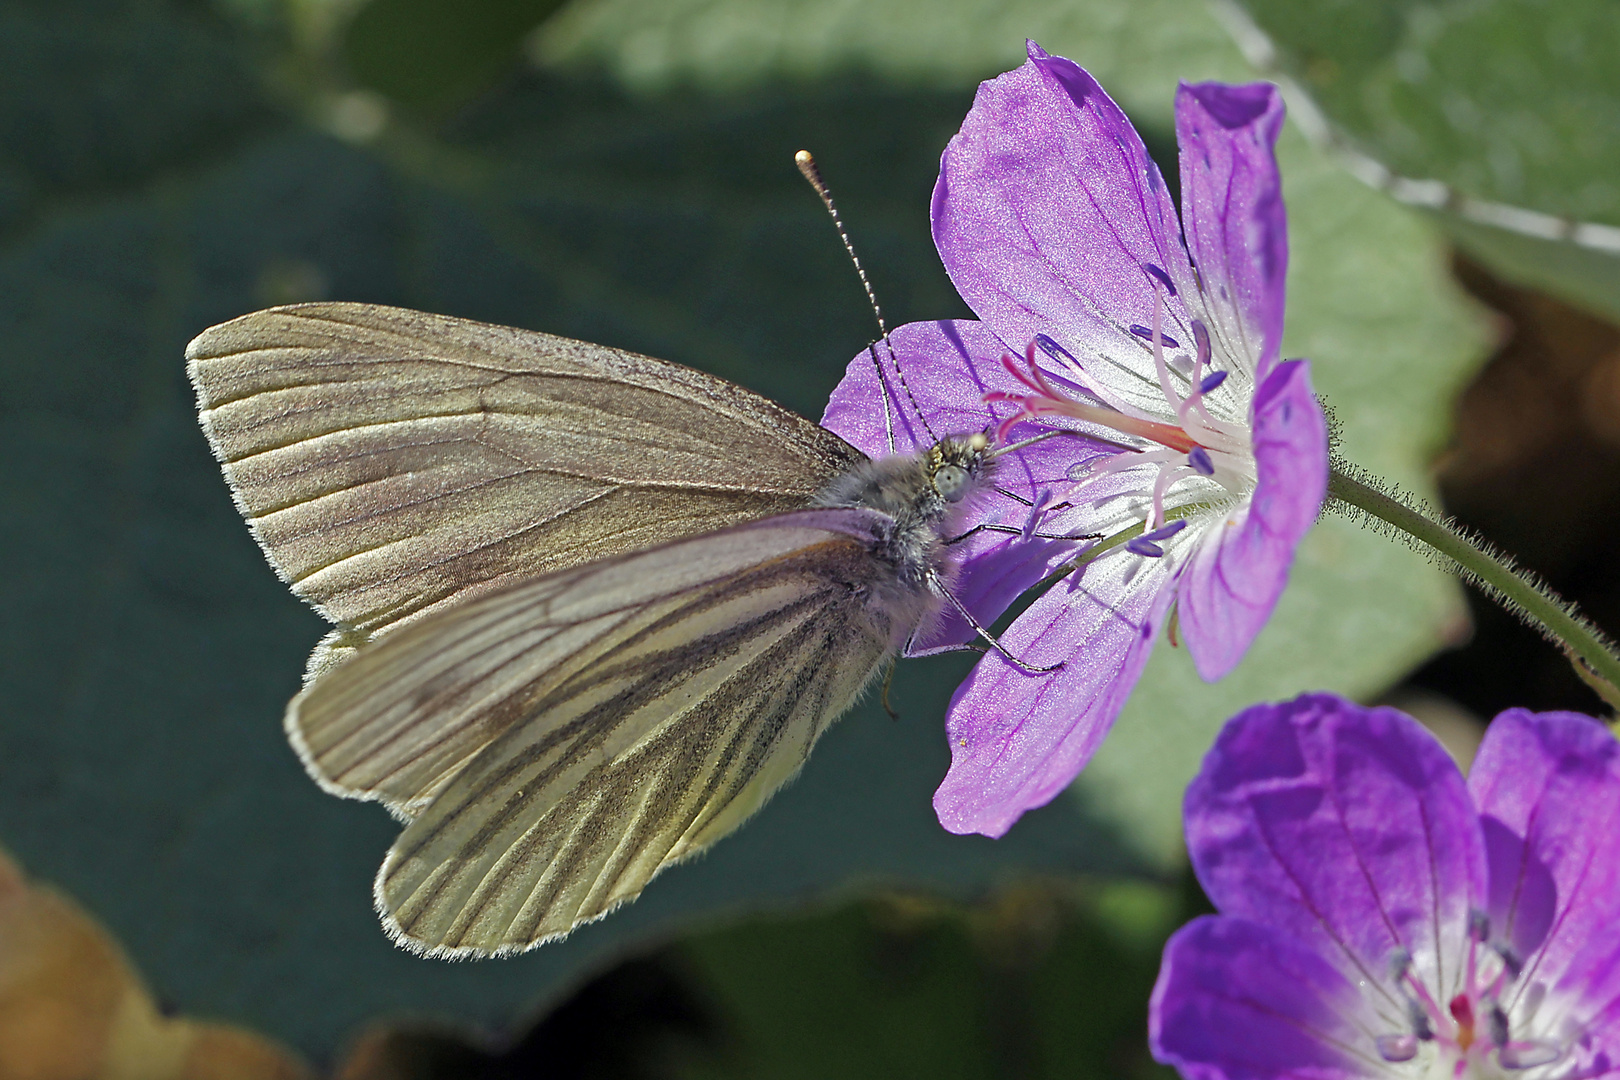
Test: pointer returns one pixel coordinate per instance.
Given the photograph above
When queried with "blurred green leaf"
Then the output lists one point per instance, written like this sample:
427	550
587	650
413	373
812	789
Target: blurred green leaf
435	54
1514	104
1037	983
150	651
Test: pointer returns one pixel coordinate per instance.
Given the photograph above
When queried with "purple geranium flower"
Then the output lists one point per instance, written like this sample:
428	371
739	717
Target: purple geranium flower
1382	917
1201	458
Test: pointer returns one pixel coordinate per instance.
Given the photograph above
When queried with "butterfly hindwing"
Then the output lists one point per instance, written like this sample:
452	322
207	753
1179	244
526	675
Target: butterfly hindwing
564	740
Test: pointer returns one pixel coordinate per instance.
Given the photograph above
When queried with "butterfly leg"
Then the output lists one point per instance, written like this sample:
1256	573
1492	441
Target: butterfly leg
990	638
1013	530
888	681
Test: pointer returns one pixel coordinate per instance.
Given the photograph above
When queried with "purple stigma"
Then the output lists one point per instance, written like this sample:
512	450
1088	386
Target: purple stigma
1147	335
1199	459
1164	278
1211	381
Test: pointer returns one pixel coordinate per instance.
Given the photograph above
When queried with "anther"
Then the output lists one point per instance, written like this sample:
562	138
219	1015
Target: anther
1201	339
1147	335
1199	459
1499	1025
1164	278
1054	350
1528	1054
1417	1018
1211	381
1510	959
1147	543
1397	1048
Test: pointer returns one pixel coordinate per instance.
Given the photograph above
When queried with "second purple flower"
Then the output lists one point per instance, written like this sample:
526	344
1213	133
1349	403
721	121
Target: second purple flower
1197	454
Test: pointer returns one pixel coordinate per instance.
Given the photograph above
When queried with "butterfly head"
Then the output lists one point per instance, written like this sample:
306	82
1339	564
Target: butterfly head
956	466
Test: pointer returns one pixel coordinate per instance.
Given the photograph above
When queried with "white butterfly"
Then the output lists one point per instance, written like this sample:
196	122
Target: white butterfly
593	609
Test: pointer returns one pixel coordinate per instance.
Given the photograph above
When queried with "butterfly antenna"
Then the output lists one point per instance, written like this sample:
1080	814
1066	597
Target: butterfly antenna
807	168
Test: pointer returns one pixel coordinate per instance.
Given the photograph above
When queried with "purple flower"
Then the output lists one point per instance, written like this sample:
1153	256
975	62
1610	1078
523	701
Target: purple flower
1200	458
1382	917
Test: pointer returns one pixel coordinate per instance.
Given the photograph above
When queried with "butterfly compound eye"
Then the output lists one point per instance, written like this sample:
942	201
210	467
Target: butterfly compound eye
951	481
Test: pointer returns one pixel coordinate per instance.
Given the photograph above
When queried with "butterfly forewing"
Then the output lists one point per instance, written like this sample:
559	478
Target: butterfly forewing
391	462
573	736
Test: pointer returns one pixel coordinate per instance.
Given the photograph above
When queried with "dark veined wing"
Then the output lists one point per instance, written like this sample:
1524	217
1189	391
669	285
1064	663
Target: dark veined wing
391	461
619	717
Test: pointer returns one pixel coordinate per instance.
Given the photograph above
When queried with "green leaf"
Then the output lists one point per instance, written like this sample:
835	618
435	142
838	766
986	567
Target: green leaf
1514	105
1036	983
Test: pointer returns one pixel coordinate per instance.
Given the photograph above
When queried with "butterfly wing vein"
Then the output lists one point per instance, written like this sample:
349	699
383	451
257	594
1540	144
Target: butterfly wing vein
563	741
392	462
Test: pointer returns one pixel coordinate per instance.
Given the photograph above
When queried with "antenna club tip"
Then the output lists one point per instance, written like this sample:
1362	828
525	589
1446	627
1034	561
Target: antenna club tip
803	158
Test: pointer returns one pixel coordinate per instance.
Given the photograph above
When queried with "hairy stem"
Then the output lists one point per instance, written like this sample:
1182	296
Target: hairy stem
1353	492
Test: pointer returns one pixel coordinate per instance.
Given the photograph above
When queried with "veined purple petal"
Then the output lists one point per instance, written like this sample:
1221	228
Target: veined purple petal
1018	738
1051	218
1347	828
1551	781
949	366
1237	1000
1232	212
1241	565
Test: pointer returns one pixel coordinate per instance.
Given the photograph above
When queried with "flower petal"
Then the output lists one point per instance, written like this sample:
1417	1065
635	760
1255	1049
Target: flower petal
1548	787
1018	738
1232	211
1239	569
1048	211
949	367
1237	1000
1346	827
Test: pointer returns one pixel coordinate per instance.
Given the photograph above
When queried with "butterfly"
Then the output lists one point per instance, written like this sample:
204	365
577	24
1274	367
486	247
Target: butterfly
591	609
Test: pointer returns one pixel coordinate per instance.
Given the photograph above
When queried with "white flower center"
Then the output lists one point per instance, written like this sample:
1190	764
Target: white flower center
1193	452
1470	1035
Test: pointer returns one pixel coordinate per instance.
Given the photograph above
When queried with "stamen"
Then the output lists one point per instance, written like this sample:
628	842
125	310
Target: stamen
1209	382
1397	1048
1201	339
1147	335
1166	478
1528	1054
1159	365
1147	543
1164	278
1141	545
1498	1023
1199	459
1054	350
1511	964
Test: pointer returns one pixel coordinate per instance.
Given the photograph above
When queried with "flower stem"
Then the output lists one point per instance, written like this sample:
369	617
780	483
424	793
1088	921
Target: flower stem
1352	491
